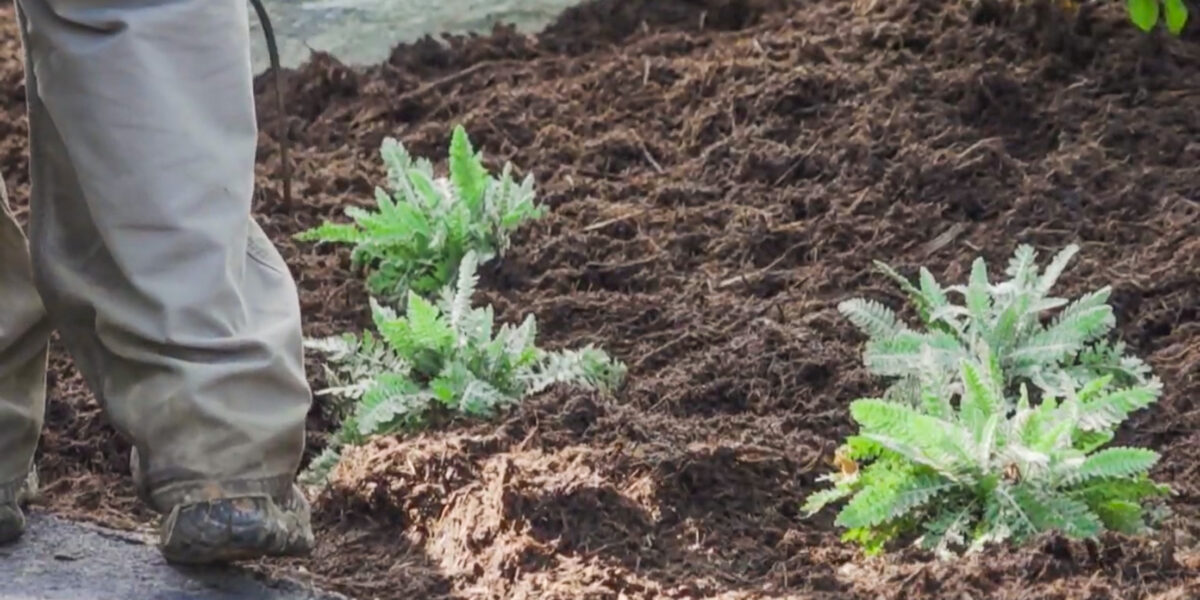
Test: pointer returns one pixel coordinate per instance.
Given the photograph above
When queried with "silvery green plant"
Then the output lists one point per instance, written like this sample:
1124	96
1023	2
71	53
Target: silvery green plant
423	225
960	452
444	356
959	470
1054	343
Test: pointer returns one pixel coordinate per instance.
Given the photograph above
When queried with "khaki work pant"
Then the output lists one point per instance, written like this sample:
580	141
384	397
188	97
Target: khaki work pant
142	254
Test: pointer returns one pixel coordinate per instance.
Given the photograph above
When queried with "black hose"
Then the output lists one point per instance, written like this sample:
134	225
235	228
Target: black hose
282	133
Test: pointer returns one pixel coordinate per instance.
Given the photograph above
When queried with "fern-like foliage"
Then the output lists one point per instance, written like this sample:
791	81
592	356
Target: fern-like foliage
1008	321
351	367
987	468
423	225
446	355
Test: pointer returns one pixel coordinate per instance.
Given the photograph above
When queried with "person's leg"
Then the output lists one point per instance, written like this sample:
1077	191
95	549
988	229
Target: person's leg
24	333
179	312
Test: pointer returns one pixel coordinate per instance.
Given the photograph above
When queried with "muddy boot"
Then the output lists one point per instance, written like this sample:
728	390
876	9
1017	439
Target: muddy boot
12	520
231	529
235	529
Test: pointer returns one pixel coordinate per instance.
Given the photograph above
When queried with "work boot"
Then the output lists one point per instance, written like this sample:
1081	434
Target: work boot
234	529
12	520
227	530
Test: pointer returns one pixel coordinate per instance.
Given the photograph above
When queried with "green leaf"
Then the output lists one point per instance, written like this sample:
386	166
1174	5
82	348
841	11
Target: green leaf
480	398
915	295
979	401
1021	266
949	527
1055	269
1087	441
1122	516
822	498
1082	321
1052	512
1131	489
873	540
1143	13
445	389
460	307
321	467
426	191
1092	389
1113	463
466	169
1176	15
905	353
978	301
428	328
395	400
939	444
861	448
890	499
1108	411
872	318
936	404
1004	334
1106	358
397	161
932	292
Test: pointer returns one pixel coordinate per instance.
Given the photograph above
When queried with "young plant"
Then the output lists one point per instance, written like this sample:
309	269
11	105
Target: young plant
987	469
445	356
424	225
1145	14
1006	321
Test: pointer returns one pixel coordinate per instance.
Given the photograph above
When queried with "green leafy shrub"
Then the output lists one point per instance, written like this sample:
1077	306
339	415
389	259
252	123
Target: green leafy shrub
424	225
985	469
958	452
444	356
1006	321
1146	13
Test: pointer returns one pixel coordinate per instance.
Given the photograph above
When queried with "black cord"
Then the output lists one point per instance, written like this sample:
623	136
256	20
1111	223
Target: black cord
281	134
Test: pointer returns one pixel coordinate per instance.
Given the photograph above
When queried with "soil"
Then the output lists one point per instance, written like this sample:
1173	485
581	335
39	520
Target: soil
720	174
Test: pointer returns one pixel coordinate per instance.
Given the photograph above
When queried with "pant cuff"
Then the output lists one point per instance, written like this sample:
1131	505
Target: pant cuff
191	492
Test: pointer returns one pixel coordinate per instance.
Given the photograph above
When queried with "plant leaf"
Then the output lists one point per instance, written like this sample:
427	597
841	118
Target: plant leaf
873	318
1049	512
1175	15
1143	13
466	169
891	499
1113	463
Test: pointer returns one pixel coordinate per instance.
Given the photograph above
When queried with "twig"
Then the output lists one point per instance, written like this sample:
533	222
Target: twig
944	239
687	337
744	277
649	157
796	163
607	222
646	152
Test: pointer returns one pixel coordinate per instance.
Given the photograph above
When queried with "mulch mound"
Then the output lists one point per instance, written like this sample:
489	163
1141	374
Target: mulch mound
720	174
